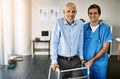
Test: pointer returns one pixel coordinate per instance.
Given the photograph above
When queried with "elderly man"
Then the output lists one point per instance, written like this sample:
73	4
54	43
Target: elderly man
67	42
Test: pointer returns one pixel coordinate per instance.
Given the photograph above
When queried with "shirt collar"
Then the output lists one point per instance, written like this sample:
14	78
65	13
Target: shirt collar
65	22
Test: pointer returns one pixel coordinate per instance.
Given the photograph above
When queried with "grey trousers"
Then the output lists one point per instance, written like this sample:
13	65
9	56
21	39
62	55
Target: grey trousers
69	64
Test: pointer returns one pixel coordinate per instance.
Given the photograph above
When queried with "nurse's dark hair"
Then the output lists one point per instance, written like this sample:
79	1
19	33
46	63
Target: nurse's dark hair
93	6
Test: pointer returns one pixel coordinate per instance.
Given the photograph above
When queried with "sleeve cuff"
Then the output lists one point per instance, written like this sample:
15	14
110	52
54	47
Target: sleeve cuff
81	57
54	62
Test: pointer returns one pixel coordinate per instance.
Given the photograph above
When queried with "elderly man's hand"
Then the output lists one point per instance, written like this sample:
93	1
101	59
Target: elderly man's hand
83	61
54	66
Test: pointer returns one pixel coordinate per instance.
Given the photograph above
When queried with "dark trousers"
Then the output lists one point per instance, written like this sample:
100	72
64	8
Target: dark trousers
69	64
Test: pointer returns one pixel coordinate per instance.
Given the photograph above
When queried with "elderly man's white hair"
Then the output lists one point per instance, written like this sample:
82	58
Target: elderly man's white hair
70	4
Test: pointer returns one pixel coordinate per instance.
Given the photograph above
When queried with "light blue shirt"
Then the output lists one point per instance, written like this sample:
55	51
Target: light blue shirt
66	40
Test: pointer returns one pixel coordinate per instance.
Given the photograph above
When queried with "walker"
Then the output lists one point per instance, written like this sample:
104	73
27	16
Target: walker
68	70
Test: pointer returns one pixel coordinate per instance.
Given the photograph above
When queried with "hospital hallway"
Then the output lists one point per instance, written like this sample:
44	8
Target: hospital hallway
37	68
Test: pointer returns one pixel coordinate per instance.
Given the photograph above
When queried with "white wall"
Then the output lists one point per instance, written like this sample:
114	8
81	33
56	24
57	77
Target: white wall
110	14
38	25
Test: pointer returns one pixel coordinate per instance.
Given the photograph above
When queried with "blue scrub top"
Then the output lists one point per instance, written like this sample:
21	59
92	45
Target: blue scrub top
93	43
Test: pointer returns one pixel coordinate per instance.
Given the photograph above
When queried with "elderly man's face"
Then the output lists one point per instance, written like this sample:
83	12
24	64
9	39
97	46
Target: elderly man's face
69	13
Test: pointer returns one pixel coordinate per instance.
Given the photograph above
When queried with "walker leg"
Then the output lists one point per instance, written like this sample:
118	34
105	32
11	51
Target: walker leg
58	73
49	74
88	72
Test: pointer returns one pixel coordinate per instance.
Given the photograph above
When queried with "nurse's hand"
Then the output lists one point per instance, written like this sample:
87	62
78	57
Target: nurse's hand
89	63
54	66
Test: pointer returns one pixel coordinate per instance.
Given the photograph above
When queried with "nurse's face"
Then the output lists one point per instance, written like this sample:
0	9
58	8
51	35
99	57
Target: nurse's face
94	15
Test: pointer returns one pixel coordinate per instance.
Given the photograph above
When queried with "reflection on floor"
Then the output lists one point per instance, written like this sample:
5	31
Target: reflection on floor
37	68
